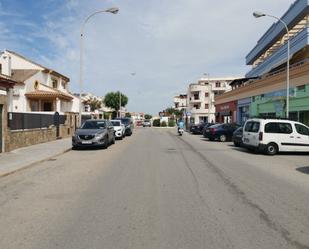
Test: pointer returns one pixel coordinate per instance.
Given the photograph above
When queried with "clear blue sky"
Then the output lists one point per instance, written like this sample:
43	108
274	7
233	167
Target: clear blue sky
166	44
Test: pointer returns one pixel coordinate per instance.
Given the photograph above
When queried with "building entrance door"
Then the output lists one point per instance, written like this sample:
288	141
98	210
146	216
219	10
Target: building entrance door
1	131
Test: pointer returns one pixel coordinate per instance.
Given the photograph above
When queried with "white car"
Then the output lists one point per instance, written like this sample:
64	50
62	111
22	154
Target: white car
275	135
119	129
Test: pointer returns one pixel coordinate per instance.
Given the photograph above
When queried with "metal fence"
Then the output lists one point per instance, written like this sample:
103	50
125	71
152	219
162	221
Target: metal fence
22	121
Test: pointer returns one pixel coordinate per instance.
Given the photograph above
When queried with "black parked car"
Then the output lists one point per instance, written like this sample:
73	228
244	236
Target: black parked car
128	125
205	128
222	132
198	128
94	133
237	137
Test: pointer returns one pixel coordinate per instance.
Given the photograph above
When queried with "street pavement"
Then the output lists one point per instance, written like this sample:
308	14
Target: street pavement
158	190
25	157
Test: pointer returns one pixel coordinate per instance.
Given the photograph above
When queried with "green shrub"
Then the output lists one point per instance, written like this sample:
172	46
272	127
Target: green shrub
106	115
163	124
171	123
156	123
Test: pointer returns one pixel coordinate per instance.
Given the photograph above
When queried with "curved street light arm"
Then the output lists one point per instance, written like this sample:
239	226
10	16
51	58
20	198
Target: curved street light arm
110	10
280	20
260	14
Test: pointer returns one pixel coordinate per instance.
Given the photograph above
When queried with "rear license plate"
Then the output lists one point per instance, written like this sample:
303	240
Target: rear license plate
86	142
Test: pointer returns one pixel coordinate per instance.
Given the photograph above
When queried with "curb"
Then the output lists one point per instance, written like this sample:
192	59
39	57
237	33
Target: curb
34	163
163	127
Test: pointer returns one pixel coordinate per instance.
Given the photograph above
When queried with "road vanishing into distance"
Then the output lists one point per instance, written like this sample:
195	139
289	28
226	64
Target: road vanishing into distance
156	190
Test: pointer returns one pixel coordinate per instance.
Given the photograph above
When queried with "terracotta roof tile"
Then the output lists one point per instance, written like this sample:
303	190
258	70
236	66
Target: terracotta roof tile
48	94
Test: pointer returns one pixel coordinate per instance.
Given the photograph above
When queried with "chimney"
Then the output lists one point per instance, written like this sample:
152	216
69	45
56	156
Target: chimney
6	64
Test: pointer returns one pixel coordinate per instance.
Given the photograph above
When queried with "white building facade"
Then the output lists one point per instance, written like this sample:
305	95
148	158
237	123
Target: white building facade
200	98
180	102
40	89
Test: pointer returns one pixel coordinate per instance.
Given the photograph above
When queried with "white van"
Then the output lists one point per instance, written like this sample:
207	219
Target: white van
273	135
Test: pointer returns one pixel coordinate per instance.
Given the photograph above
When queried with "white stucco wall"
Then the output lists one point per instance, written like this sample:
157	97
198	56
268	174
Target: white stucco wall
5	62
19	99
75	105
20	63
66	106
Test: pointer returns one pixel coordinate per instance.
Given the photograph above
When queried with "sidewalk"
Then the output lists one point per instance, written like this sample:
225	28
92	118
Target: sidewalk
22	158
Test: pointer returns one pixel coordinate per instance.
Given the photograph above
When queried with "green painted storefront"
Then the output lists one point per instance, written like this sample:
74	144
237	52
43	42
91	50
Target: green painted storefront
273	104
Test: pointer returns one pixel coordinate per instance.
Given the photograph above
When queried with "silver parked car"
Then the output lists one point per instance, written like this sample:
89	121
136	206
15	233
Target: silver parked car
94	132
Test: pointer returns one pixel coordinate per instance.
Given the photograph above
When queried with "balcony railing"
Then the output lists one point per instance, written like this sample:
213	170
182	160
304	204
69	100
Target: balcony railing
280	56
197	88
199	111
292	15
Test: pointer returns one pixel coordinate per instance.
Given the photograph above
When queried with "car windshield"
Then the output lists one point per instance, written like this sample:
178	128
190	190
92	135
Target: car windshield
215	126
125	121
115	123
252	126
93	125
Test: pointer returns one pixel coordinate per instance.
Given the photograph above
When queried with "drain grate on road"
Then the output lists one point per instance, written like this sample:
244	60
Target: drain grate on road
171	150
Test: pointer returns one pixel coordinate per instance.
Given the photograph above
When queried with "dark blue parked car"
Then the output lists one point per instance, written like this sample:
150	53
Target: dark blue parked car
222	132
237	137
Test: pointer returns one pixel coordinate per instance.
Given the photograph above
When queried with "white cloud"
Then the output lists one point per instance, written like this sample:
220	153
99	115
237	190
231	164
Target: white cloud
167	44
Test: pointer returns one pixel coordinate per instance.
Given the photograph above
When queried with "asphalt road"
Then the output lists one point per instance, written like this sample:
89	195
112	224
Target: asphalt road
157	190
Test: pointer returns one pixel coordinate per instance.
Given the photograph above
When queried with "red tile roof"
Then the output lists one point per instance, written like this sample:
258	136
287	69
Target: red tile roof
37	94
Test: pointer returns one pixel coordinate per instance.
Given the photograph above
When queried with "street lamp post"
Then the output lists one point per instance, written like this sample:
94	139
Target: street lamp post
257	14
110	10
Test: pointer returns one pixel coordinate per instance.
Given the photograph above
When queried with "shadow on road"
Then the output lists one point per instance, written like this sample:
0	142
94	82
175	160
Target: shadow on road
261	153
207	140
88	148
304	170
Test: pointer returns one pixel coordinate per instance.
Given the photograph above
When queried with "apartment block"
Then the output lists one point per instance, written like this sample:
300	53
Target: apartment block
201	98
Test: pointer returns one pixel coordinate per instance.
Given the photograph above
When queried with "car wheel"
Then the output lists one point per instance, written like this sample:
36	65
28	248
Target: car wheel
237	144
271	149
106	143
222	138
113	140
